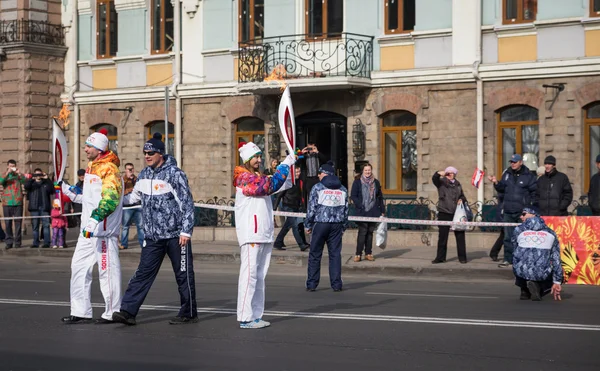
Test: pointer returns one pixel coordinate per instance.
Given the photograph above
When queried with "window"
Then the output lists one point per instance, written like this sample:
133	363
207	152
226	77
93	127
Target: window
519	11
250	129
591	141
159	127
162	26
399	16
107	29
399	152
324	18
594	9
252	20
518	132
113	140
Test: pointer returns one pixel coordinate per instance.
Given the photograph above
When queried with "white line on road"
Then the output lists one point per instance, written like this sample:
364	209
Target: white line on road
18	280
342	316
433	295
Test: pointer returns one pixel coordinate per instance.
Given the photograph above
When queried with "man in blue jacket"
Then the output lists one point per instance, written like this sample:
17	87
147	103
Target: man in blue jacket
168	214
518	188
326	219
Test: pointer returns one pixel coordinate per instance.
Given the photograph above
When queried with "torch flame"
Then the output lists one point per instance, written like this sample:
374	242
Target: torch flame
63	115
279	74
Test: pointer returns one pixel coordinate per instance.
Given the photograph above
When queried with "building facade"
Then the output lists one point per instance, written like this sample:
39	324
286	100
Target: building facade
409	86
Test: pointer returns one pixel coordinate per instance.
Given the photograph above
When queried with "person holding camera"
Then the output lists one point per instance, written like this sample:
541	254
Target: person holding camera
310	162
12	202
450	196
39	193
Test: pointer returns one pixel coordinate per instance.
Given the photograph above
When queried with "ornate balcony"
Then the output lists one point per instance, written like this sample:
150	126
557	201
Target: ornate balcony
36	32
302	56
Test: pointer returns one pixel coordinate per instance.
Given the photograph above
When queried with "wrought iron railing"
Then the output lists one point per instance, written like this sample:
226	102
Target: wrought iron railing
25	31
302	56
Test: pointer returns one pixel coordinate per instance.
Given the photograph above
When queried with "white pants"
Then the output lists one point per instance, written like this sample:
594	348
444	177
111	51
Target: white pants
88	252
256	258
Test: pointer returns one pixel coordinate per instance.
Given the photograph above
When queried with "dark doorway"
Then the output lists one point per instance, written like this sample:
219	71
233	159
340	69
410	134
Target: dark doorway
328	131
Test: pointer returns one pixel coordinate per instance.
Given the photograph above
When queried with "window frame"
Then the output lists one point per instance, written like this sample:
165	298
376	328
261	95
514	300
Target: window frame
518	126
519	19
163	27
110	5
394	129
171	135
587	124
592	13
240	134
400	30
325	23
251	36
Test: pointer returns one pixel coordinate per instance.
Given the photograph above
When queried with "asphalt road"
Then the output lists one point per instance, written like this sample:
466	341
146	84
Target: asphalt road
376	323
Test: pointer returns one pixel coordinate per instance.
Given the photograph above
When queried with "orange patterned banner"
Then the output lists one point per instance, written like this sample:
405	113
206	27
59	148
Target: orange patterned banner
579	238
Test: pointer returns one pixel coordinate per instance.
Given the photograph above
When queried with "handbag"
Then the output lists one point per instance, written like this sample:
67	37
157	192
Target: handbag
460	215
381	236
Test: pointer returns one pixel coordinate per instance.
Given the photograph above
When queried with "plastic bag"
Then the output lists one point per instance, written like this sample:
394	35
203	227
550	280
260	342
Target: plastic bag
460	215
381	235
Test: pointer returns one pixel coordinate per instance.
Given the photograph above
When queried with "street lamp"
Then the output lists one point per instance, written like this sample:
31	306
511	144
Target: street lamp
358	139
274	142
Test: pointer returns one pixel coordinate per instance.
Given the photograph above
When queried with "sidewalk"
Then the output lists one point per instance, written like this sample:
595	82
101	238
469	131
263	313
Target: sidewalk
410	261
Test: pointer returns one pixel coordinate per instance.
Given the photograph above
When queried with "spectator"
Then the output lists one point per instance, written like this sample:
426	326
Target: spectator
450	195
554	192
540	171
292	202
131	215
518	189
368	201
12	201
273	168
310	162
537	265
59	225
39	193
594	190
77	208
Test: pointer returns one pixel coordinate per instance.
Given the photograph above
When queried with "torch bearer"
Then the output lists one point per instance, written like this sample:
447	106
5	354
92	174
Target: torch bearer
287	125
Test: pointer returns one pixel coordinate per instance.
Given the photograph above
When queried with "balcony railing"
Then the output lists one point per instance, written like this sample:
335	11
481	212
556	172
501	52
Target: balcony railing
37	32
302	56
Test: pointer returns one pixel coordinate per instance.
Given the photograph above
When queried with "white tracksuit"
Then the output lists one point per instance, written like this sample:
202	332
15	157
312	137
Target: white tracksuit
102	248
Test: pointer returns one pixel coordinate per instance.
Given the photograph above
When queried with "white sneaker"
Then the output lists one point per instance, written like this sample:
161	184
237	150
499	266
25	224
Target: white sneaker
257	323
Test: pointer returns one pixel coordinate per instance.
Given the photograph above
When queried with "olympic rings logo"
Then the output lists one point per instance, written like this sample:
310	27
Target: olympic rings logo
535	239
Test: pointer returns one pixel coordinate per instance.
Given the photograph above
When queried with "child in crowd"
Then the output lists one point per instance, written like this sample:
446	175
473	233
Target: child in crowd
59	224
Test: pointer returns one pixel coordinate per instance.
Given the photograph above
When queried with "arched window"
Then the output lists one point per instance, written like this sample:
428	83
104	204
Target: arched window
591	141
159	127
113	139
249	129
399	152
518	132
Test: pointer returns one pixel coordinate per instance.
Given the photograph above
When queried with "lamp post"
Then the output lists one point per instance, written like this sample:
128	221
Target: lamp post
358	139
274	143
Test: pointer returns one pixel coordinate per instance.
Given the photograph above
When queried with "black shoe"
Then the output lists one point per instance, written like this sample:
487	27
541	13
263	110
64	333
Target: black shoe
337	290
494	258
182	320
124	318
73	320
311	289
280	248
8	247
437	261
504	264
463	262
534	290
17	246
304	248
283	245
525	295
34	246
103	321
45	246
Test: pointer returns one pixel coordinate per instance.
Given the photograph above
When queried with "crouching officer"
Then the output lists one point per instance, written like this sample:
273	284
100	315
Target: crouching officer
326	219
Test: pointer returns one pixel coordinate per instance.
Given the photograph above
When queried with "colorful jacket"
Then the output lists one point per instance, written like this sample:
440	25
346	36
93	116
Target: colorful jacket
12	193
328	203
537	252
253	206
167	202
102	195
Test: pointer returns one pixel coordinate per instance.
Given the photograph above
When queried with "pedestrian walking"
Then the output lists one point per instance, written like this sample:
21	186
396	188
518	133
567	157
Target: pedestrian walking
518	188
451	195
100	226
594	190
554	192
132	214
291	200
368	202
39	193
12	203
59	225
326	220
168	212
536	260
255	231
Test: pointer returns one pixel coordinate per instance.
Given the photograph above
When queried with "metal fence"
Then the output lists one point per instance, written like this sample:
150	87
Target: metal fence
26	31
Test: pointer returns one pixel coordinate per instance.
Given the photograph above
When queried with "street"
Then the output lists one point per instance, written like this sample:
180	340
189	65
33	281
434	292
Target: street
376	323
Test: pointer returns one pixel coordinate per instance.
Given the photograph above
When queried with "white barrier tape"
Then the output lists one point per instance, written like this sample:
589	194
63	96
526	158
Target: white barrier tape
48	216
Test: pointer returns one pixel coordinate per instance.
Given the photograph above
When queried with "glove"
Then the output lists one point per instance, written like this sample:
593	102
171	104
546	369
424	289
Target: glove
289	160
90	228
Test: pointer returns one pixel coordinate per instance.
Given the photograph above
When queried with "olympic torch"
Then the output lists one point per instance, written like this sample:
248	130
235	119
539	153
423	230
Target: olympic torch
287	125
59	149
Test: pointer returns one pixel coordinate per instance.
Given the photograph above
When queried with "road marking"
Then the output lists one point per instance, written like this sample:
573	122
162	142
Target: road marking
433	295
346	316
18	280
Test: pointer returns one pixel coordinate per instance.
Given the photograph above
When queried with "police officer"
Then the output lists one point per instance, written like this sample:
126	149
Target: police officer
326	219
